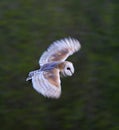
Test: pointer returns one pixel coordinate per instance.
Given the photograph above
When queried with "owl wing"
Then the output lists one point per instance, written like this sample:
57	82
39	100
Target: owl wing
60	50
47	83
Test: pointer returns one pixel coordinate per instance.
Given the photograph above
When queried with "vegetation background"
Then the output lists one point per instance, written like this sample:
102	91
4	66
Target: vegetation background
90	99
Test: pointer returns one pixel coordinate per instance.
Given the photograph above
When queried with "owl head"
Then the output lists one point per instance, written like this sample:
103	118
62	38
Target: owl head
68	69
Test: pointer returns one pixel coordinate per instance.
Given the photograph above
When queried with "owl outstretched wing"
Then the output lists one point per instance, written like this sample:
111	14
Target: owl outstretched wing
60	50
47	83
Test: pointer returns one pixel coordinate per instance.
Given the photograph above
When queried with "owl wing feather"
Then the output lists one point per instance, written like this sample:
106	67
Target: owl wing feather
47	83
60	50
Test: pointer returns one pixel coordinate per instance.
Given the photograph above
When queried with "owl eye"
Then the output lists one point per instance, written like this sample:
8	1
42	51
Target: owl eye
68	68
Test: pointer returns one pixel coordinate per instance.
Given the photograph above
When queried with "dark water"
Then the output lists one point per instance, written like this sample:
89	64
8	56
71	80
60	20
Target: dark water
90	98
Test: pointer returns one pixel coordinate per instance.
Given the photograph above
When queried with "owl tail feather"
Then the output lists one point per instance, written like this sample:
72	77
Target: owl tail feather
31	74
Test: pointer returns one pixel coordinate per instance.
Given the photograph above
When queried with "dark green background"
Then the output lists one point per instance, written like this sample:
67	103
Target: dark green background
90	98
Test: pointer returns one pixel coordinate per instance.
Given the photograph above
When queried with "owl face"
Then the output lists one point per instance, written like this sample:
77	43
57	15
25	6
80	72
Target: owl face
68	69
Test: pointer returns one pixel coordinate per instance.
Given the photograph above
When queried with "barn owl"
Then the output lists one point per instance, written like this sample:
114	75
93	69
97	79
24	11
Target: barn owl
46	80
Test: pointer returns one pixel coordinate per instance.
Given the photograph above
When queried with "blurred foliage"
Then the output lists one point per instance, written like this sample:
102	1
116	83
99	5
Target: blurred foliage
90	98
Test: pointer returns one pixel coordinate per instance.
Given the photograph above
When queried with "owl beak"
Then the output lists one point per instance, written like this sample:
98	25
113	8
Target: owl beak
72	72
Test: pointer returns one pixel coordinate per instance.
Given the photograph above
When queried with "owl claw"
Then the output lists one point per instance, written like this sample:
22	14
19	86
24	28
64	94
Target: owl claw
28	78
31	74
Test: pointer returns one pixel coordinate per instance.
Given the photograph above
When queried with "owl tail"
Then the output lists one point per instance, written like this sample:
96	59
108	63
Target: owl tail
31	74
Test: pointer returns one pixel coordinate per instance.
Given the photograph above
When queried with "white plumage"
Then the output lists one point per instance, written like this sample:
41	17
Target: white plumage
46	80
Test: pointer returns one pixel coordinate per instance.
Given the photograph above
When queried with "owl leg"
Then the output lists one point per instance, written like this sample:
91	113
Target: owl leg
31	74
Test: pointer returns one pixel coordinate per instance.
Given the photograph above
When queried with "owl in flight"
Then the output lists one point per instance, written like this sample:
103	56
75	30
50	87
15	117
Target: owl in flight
46	80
